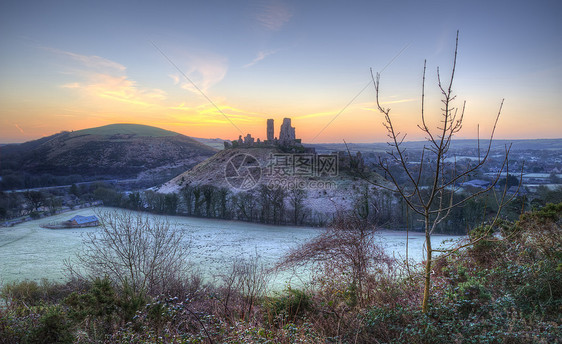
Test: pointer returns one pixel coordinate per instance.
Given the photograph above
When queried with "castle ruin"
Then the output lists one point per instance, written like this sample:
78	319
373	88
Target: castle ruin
287	133
287	137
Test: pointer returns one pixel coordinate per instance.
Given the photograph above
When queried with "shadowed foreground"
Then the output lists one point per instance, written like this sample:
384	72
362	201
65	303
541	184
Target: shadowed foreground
506	291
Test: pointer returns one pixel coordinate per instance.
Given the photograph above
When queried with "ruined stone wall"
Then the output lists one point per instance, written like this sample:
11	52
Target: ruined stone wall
287	132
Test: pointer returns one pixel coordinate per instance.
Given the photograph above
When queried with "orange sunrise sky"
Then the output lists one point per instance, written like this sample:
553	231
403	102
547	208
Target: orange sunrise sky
70	65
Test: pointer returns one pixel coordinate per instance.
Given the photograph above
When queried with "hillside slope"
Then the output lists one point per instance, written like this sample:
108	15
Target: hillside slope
116	150
325	193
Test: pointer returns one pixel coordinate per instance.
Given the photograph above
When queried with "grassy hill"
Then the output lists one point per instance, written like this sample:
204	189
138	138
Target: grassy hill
126	129
115	151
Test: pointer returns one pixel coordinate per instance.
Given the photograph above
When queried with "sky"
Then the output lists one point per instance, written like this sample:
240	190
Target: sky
219	69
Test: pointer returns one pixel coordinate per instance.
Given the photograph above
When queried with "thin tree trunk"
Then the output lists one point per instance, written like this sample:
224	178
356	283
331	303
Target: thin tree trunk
427	284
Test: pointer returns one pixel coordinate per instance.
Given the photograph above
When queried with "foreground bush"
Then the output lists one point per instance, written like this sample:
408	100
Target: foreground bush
134	251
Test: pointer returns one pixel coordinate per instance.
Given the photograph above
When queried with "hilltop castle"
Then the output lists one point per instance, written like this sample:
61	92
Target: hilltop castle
287	137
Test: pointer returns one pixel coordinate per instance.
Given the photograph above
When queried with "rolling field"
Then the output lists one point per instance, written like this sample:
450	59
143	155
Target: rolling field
28	251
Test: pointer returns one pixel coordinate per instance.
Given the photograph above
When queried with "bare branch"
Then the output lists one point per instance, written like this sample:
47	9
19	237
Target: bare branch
132	249
436	202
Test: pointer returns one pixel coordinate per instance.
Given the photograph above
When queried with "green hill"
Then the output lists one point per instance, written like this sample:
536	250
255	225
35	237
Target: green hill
117	151
126	129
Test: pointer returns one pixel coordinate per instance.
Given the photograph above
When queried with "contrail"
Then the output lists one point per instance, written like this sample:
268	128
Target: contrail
395	57
342	110
358	94
197	88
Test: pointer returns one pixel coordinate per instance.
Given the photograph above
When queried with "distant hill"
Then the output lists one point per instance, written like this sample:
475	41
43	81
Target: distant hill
114	151
215	143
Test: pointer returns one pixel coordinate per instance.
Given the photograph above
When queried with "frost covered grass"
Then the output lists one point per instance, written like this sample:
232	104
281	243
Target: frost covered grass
30	252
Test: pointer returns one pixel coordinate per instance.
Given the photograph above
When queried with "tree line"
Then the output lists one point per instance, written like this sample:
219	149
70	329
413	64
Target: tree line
269	206
261	205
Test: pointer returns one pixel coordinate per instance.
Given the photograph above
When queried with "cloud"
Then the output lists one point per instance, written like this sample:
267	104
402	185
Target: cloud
20	129
122	89
367	106
208	114
71	85
104	78
156	93
209	109
273	15
313	115
261	55
230	112
406	100
373	107
91	61
175	77
205	69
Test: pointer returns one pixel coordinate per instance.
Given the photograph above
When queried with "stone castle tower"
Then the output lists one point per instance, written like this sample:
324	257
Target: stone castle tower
270	130
287	132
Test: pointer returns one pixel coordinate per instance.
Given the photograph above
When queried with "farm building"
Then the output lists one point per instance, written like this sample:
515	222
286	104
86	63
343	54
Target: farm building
79	220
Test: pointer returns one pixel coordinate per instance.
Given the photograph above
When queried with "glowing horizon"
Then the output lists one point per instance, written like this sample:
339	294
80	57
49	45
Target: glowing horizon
62	70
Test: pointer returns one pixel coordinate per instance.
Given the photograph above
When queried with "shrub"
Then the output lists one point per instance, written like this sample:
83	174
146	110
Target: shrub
53	327
293	303
15	328
30	293
471	296
104	304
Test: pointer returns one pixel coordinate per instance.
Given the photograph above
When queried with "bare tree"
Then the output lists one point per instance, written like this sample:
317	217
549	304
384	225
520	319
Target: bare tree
296	200
248	278
35	199
348	248
223	202
187	195
434	202
245	204
209	198
146	253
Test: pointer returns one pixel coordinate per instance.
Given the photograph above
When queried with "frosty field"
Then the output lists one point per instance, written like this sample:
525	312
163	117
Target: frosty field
28	251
